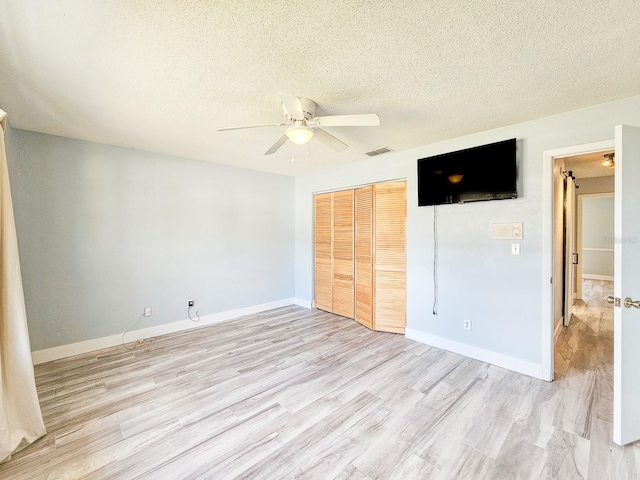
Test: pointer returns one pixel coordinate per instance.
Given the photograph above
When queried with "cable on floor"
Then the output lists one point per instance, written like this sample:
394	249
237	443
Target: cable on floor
138	342
189	313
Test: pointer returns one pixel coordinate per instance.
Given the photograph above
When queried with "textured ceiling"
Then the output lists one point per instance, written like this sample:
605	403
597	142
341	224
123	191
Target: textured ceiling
588	165
163	75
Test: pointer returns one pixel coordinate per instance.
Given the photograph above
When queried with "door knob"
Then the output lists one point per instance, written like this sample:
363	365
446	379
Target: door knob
630	303
610	299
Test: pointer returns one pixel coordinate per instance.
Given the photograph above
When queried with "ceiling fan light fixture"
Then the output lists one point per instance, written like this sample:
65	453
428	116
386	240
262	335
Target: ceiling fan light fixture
299	134
456	177
609	161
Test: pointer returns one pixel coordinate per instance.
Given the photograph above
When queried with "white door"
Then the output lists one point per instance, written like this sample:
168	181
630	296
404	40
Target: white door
569	256
626	285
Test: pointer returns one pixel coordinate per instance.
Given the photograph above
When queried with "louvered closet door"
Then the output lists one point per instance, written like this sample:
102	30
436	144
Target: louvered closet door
323	205
390	200
364	255
343	265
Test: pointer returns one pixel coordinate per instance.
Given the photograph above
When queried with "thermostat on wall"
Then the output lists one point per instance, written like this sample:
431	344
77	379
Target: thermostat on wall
506	231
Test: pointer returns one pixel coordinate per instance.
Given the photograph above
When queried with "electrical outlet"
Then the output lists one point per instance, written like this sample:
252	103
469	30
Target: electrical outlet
190	303
467	324
147	311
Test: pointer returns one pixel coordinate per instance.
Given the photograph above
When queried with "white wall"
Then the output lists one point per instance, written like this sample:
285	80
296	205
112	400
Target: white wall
595	185
104	231
597	237
479	279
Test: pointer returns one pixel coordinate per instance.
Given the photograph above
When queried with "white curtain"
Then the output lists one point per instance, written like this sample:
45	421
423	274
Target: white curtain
20	417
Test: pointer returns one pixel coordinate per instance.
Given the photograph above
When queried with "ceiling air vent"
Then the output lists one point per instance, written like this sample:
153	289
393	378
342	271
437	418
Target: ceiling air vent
379	151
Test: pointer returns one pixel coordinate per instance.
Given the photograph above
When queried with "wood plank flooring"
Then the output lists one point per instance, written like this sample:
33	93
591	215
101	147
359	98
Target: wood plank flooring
296	393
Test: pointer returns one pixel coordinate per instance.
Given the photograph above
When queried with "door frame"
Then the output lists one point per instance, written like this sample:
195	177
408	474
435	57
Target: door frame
548	157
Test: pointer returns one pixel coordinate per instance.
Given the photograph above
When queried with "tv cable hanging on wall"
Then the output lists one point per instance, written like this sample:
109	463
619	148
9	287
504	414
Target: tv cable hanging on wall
435	260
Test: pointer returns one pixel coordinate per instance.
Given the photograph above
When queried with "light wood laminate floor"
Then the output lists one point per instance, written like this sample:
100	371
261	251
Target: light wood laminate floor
296	393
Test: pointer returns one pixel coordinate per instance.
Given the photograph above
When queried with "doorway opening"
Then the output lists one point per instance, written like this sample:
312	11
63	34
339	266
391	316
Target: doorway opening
583	263
553	242
583	228
620	382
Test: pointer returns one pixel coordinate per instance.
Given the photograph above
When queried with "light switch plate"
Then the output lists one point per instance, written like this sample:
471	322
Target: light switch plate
516	230
515	249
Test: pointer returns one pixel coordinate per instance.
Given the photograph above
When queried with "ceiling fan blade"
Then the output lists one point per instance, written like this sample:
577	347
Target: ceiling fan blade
293	105
274	148
329	140
250	126
361	120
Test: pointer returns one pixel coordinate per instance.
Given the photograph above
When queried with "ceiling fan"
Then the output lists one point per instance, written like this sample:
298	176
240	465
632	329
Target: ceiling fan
303	125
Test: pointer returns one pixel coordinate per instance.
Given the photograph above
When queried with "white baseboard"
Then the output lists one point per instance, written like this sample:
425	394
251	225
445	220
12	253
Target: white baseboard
64	351
558	329
498	359
593	276
303	303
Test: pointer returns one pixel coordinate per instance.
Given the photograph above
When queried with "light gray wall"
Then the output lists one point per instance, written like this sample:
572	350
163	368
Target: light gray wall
104	231
10	147
597	222
597	232
478	277
595	185
597	264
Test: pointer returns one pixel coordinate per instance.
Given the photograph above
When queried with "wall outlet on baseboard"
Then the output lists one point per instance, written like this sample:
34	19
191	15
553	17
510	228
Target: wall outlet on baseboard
147	311
467	324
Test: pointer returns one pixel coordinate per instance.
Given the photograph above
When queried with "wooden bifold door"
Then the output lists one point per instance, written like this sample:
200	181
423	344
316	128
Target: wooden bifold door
360	255
343	274
324	251
364	255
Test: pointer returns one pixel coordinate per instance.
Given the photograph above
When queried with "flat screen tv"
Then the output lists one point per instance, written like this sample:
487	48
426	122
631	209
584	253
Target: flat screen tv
481	173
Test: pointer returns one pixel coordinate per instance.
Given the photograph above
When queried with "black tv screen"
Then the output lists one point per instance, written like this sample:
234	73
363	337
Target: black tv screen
481	173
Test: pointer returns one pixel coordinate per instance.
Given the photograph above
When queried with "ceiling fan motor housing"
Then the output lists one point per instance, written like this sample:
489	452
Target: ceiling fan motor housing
308	108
